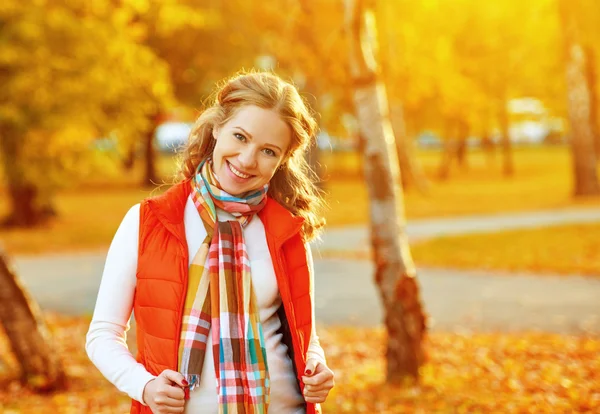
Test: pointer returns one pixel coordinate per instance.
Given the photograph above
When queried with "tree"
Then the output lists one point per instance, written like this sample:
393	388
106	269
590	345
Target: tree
428	71
70	73
591	74
308	47
395	273
172	31
579	97
27	334
411	172
393	53
392	62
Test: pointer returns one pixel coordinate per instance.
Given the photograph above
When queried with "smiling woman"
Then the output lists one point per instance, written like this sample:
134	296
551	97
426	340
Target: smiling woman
218	269
263	110
249	148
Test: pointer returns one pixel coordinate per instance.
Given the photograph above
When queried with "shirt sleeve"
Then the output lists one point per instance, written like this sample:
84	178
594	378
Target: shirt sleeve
106	344
314	347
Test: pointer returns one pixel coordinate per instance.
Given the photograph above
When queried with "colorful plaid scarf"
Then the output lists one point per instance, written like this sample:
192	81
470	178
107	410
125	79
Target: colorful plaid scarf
220	294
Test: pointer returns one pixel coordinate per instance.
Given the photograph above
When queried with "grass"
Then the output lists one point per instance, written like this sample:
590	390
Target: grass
566	249
542	180
475	373
88	220
90	214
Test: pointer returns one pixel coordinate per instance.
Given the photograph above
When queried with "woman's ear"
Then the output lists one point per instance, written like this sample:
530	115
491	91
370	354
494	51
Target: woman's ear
215	131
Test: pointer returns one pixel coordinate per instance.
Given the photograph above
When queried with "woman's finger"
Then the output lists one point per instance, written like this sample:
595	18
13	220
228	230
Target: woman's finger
174	376
315	400
175	392
320	378
319	393
318	385
316	388
167	402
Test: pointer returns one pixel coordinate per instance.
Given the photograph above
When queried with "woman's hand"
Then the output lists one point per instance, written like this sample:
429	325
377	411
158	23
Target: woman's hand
318	381
164	394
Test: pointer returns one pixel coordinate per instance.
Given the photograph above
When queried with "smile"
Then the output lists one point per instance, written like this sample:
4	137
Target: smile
237	172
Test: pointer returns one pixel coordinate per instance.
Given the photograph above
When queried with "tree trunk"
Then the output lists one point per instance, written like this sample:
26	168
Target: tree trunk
28	208
449	145
129	159
487	143
508	167
410	169
27	333
582	138
592	81
395	272
24	212
579	104
461	147
461	153
448	154
488	147
150	176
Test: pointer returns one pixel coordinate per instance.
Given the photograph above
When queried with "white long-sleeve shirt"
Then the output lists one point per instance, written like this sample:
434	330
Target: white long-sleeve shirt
106	339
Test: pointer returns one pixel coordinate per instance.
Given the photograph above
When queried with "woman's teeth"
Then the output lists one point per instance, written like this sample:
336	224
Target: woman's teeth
237	172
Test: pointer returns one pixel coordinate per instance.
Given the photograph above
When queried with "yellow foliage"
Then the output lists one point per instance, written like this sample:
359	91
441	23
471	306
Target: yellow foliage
71	72
564	249
541	181
465	59
508	373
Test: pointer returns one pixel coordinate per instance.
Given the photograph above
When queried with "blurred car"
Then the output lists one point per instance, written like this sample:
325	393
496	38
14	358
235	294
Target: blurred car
326	142
172	136
428	140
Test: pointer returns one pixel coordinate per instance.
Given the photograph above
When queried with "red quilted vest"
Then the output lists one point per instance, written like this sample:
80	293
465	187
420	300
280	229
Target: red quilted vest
162	281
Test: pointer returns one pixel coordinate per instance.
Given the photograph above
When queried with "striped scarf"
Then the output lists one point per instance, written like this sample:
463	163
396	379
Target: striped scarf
220	295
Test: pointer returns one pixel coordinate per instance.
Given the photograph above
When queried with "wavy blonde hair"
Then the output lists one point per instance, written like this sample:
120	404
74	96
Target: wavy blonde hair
293	183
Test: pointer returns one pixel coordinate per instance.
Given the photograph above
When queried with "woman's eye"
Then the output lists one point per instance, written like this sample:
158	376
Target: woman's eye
239	136
270	152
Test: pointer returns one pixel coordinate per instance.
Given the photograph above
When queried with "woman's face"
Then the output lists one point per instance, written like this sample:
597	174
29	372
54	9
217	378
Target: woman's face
249	149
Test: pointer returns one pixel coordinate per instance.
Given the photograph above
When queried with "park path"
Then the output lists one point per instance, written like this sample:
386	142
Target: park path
356	238
482	301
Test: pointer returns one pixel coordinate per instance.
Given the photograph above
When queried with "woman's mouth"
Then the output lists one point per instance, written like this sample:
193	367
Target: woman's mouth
237	172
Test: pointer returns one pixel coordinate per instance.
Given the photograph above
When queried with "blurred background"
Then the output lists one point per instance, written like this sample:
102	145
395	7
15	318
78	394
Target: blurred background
493	107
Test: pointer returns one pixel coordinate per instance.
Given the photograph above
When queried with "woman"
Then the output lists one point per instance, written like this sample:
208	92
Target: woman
217	270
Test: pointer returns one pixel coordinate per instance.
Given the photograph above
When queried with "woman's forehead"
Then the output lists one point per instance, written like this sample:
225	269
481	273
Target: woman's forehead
260	123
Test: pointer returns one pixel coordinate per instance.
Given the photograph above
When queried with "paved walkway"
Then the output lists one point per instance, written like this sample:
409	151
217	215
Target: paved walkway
357	237
465	300
345	293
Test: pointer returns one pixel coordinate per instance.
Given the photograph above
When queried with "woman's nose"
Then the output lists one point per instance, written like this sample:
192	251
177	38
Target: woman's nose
247	158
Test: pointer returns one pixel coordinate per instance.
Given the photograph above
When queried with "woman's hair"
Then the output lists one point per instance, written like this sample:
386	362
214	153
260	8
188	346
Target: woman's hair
293	183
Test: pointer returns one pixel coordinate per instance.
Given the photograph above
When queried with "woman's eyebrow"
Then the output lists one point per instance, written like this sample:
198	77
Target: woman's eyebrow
244	131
